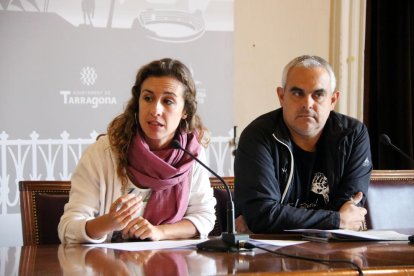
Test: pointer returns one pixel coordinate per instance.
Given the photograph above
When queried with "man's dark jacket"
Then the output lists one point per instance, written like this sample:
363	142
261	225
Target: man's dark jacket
265	171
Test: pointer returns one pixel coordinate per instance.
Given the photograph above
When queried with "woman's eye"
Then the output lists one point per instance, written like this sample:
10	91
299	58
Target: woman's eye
169	102
147	98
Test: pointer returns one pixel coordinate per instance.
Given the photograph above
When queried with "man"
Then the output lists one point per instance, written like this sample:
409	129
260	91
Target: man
303	165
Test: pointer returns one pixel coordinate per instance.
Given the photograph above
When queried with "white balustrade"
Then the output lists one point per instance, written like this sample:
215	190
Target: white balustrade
55	159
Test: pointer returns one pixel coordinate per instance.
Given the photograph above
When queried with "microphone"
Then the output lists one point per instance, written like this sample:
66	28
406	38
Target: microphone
384	139
229	241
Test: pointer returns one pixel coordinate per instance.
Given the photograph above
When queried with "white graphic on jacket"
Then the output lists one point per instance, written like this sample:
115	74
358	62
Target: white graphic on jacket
320	186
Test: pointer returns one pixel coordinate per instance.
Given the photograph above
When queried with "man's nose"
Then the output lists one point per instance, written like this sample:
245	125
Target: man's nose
308	102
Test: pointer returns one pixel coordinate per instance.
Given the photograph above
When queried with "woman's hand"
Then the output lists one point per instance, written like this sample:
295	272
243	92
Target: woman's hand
141	228
123	209
120	215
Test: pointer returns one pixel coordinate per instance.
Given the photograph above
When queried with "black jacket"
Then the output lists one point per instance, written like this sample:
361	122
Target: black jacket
265	171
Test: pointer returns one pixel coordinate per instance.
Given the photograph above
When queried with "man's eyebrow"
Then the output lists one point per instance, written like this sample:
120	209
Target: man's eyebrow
320	90
294	88
297	89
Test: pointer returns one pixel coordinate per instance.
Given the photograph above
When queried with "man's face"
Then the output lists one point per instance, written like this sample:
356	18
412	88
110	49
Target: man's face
307	101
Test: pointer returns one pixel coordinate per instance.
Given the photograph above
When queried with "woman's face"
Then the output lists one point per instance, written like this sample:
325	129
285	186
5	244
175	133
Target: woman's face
161	107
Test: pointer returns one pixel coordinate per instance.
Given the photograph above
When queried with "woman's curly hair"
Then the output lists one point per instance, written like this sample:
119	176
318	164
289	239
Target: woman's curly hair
123	128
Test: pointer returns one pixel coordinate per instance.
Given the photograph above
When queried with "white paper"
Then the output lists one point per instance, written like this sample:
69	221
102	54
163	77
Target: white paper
148	245
153	245
279	243
376	235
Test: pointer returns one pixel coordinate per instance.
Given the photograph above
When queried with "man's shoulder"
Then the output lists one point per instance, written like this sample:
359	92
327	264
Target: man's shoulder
345	121
265	126
266	121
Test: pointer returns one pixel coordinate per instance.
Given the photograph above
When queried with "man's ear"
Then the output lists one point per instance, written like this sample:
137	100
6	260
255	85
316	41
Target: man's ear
280	94
334	99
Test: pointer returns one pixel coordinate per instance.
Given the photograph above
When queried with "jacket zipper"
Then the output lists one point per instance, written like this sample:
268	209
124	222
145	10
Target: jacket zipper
290	172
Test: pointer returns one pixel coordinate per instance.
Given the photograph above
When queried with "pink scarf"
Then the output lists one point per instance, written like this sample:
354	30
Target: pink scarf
166	172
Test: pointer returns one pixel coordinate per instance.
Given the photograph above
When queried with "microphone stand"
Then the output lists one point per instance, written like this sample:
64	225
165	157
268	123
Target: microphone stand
228	241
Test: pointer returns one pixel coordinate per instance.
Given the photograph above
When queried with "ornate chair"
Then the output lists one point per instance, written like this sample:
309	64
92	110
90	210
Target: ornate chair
41	206
390	201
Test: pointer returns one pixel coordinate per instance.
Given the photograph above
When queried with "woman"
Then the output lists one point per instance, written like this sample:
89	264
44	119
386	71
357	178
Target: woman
131	184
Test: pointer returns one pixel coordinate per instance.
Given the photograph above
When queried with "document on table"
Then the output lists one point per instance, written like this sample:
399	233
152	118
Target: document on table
349	235
148	245
169	244
279	243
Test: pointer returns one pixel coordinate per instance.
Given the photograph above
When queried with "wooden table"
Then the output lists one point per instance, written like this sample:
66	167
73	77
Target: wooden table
375	258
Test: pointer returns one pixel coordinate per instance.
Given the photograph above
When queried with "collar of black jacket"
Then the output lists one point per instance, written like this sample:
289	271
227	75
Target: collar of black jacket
337	127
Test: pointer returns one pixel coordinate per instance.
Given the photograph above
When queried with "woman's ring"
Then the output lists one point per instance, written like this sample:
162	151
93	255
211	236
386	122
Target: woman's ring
115	206
364	226
136	227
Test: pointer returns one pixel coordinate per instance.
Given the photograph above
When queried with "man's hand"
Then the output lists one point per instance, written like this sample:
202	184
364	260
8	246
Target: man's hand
241	226
351	216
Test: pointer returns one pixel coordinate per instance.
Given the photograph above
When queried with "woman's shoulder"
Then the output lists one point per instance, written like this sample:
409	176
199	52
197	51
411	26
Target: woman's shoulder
100	146
202	153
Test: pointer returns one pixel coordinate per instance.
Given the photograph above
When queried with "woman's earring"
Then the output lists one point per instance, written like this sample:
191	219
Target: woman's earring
135	117
186	125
